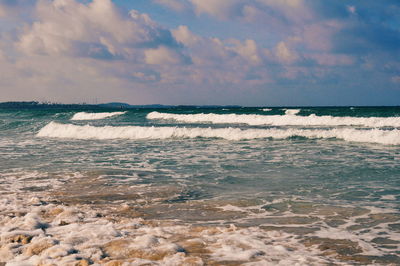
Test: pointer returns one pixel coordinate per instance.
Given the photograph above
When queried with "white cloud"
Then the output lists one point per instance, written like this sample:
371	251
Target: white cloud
144	77
183	35
283	20
221	61
247	50
66	46
163	55
98	30
285	54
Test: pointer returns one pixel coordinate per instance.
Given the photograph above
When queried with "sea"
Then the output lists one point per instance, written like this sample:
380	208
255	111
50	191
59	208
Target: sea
200	186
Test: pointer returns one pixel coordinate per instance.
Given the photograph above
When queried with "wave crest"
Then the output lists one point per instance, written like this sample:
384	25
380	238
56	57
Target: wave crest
292	111
57	130
279	120
94	116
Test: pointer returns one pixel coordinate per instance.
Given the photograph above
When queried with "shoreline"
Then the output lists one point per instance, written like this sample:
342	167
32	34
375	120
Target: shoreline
59	229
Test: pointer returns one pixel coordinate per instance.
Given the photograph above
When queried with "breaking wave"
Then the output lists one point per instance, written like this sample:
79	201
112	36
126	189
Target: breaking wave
280	120
57	130
292	111
94	116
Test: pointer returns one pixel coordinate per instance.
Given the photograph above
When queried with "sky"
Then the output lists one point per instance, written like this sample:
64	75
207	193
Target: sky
201	52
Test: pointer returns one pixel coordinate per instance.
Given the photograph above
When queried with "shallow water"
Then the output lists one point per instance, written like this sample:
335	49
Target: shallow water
213	186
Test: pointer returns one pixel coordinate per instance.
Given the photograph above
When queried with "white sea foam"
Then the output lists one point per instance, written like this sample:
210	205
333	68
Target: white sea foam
266	109
34	230
94	116
280	120
135	242
57	130
292	111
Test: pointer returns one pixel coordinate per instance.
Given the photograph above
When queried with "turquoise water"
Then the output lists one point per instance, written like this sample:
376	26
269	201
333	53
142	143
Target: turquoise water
320	170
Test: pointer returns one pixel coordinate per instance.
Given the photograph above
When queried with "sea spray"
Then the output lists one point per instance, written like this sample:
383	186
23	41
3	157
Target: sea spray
279	120
94	116
57	130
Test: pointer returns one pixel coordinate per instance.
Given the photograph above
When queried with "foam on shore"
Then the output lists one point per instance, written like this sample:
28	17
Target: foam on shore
37	232
38	228
51	234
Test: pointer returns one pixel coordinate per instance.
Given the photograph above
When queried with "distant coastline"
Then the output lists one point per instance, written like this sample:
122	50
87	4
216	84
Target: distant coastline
50	105
120	105
111	105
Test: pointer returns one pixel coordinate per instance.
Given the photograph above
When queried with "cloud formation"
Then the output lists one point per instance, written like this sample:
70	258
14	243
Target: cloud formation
97	30
283	52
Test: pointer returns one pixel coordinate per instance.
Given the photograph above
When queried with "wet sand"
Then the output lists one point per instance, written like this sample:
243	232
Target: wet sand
85	223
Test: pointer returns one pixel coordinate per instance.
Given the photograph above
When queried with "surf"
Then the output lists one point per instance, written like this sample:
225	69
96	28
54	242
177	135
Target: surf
94	116
278	120
86	132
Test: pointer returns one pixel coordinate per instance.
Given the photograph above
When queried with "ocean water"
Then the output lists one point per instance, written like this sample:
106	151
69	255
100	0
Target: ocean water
201	186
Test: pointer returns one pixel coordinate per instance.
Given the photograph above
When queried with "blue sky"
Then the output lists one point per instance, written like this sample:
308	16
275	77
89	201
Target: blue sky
245	52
